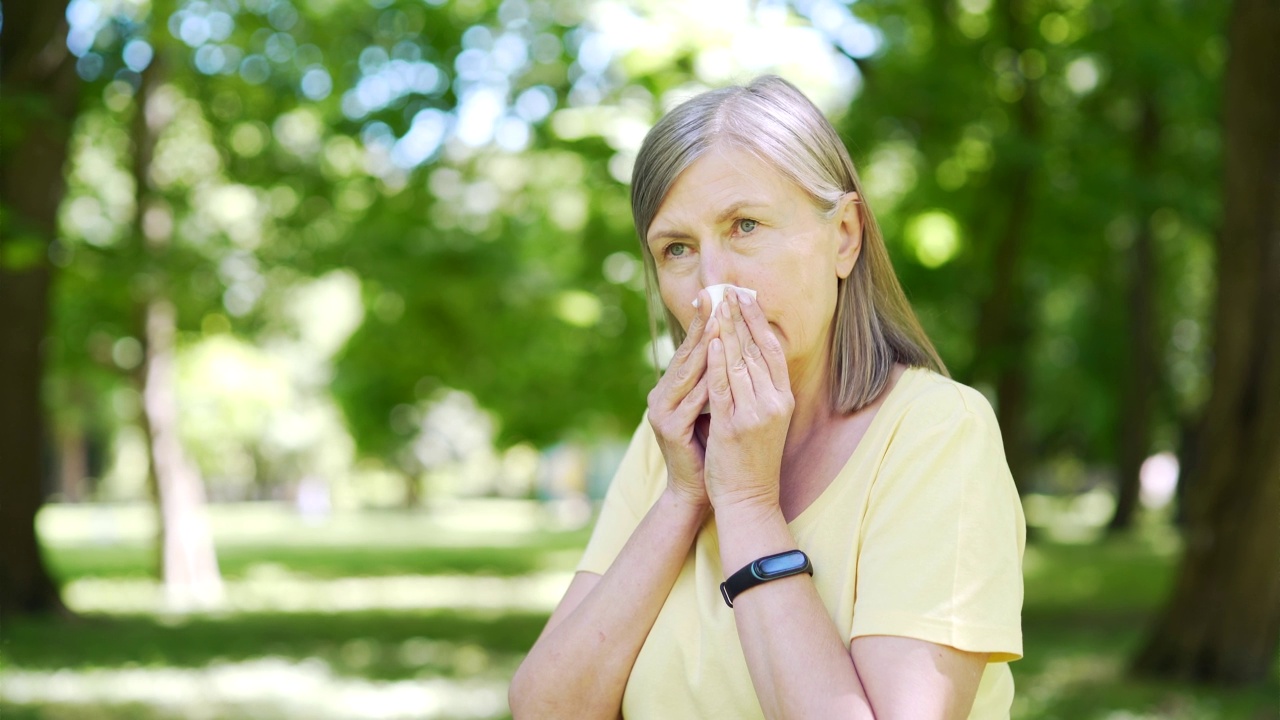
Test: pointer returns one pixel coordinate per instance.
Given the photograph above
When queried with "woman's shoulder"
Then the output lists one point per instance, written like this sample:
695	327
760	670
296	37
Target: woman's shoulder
950	424
926	398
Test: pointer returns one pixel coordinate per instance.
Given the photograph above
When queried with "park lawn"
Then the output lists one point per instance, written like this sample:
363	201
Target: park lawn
375	645
546	551
1086	609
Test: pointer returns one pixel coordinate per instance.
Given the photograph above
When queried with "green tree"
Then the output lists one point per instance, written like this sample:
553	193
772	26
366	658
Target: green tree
41	97
1222	621
1049	235
340	131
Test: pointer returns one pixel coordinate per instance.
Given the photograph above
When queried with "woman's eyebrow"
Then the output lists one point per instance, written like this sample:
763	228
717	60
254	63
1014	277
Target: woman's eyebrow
736	208
669	235
724	216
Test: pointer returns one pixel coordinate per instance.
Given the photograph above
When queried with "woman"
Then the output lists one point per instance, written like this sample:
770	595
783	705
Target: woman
832	431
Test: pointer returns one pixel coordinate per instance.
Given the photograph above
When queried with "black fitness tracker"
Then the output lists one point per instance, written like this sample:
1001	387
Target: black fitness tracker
770	567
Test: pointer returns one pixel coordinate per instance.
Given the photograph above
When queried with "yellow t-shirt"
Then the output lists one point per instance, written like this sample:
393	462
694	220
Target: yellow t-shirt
920	535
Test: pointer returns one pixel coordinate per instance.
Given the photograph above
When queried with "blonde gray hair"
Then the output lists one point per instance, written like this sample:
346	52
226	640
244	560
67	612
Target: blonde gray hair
874	325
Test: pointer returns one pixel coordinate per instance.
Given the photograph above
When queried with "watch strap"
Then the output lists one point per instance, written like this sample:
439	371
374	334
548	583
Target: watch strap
758	572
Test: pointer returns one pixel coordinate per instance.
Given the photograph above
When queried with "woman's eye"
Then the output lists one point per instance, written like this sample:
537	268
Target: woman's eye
676	249
747	225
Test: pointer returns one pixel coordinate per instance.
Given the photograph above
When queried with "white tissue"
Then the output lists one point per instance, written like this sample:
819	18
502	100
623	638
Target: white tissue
717	294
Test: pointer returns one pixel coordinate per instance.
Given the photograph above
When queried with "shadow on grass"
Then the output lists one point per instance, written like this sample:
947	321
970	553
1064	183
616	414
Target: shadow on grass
1077	666
373	645
1087	610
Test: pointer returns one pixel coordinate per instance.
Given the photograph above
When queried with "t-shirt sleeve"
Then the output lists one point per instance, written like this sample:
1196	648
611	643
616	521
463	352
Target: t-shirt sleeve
940	556
633	490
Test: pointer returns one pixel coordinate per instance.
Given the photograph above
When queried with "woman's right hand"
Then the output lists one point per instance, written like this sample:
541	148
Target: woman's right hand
675	406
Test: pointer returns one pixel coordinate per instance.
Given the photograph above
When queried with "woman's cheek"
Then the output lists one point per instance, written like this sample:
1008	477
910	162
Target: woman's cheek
678	297
682	309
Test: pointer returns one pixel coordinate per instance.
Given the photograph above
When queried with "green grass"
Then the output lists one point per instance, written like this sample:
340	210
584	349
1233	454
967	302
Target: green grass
1087	608
373	645
1086	611
238	561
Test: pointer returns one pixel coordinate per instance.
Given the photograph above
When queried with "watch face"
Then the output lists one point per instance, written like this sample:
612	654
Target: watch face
789	562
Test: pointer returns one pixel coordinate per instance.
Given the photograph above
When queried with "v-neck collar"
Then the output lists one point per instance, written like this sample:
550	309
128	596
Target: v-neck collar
869	441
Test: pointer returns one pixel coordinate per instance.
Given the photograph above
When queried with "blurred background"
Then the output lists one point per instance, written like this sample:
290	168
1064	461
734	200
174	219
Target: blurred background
322	327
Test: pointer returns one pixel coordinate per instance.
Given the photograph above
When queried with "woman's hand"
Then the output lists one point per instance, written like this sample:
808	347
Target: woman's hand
751	405
675	406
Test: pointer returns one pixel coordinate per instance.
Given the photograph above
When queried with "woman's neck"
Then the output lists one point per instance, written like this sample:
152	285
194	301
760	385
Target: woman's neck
815	414
813	411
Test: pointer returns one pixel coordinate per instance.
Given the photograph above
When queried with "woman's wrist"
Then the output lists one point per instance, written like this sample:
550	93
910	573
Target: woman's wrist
748	513
686	503
746	504
748	531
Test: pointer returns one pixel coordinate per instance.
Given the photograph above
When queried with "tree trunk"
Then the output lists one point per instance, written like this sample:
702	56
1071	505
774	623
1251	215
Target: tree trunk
189	564
1003	328
1142	364
40	93
73	464
1222	622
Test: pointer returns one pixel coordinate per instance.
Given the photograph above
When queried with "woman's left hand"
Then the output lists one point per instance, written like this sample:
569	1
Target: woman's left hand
751	405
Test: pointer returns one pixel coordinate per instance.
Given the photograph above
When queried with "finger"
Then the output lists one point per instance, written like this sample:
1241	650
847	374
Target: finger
702	301
767	342
737	309
692	336
751	353
739	373
688	365
718	393
701	310
691	406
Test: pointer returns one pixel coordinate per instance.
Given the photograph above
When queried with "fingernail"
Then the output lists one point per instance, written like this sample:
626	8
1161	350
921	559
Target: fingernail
744	298
697	302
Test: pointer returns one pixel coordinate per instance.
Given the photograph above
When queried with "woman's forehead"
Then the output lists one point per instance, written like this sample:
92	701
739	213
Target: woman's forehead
724	178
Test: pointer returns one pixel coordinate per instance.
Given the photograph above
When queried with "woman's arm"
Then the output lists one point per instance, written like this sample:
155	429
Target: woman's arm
798	662
579	665
910	678
797	659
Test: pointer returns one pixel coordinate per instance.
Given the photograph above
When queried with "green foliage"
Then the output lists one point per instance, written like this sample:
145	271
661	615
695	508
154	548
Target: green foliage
494	253
985	110
19	254
285	154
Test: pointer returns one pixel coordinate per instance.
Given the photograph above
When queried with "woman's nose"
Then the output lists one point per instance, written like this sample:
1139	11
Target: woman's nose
716	267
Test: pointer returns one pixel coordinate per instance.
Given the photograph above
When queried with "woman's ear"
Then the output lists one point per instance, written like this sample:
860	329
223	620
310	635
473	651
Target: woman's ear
848	220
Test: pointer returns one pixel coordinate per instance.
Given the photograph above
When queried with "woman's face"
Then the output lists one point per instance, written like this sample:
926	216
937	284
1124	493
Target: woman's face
731	218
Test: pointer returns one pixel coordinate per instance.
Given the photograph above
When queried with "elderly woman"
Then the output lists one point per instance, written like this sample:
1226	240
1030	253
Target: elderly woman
839	536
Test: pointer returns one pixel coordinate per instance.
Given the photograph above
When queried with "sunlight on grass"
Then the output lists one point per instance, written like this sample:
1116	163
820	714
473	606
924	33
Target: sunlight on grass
275	590
1063	677
1095	686
490	522
263	688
